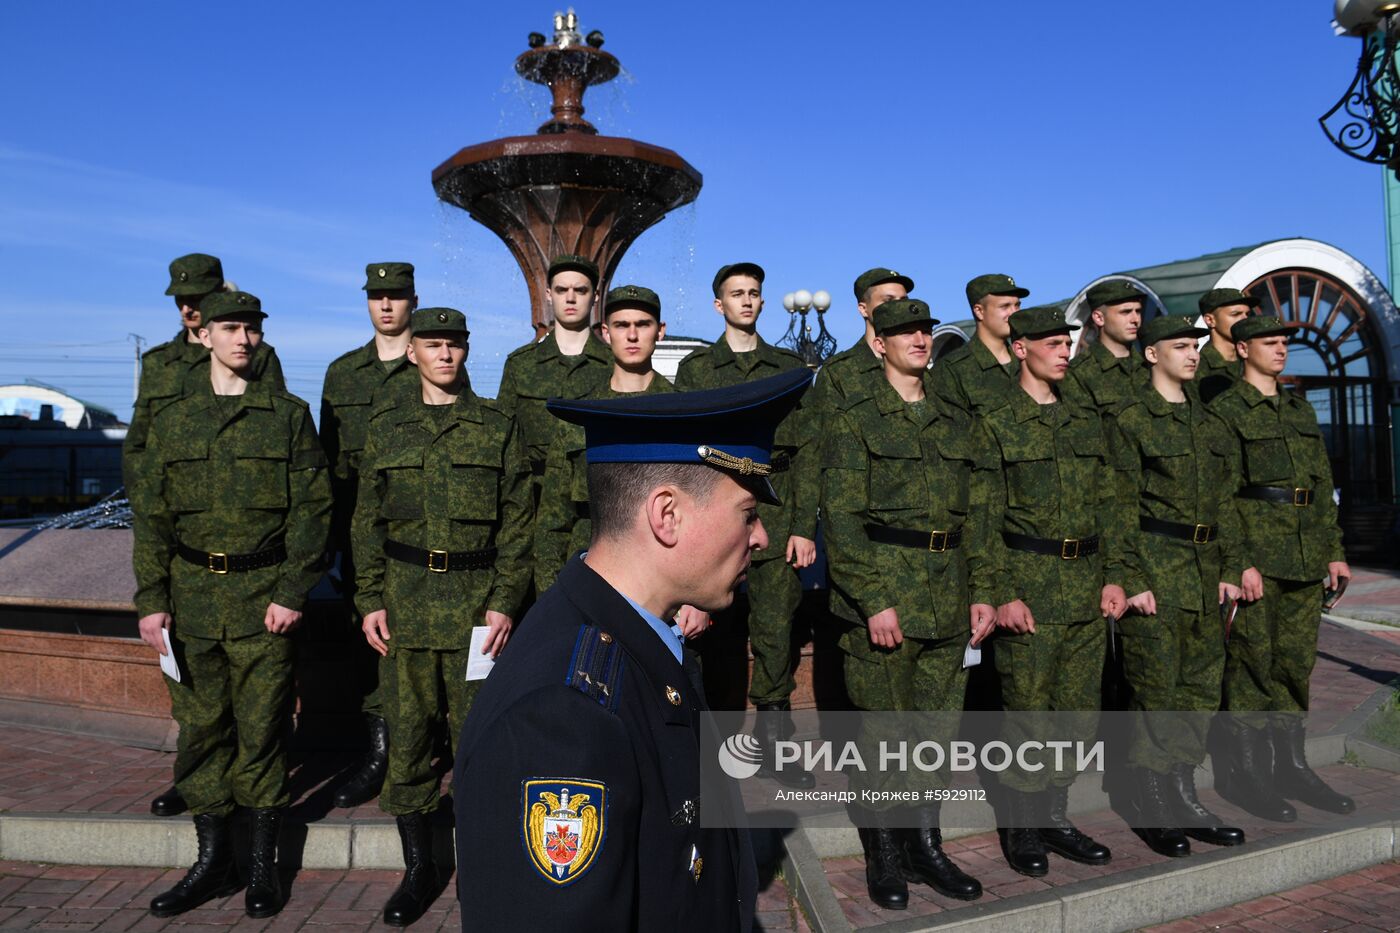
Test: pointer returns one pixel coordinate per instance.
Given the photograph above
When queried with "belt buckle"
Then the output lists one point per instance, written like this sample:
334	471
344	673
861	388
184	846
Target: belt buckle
216	563
938	541
1302	497
1201	535
1065	549
439	555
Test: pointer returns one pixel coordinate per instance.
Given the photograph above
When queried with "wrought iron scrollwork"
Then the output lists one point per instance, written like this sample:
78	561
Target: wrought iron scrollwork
1363	122
814	349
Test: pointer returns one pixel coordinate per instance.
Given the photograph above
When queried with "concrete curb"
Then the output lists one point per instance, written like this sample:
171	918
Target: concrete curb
1142	897
152	842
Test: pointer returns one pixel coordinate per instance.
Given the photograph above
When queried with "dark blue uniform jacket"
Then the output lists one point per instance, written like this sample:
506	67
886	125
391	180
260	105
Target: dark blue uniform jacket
577	782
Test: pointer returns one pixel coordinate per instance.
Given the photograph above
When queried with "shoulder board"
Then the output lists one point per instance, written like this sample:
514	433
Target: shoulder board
344	357
957	353
784	351
596	667
522	349
285	396
857	396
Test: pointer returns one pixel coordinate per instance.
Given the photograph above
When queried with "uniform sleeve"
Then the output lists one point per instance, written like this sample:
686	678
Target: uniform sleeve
555	734
369	530
269	368
1232	517
989	492
1117	511
134	445
948	389
330	424
845	502
806	477
508	395
308	515
983	583
554	517
1125	449
153	538
1329	527
517	529
686	374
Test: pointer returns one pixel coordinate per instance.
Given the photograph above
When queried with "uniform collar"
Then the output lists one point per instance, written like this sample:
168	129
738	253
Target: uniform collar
865	357
888	401
723	355
1026	408
368	356
1107	360
983	356
593	348
1255	398
1162	408
467	408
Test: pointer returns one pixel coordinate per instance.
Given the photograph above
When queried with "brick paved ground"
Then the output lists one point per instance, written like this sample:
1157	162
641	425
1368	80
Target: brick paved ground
1364	900
71	897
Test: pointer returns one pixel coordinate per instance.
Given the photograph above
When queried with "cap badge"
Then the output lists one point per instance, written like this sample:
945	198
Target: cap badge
243	299
442	315
1011	280
383	273
184	276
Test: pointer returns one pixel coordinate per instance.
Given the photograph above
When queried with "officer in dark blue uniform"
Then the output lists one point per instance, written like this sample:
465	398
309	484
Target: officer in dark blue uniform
577	779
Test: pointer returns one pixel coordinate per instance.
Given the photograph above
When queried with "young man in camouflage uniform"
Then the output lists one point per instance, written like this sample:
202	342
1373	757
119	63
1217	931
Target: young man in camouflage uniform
541	368
1292	544
982	372
1055	554
1222	309
356	383
1110	373
851	366
1185	555
906	545
631	326
441	535
228	542
774	588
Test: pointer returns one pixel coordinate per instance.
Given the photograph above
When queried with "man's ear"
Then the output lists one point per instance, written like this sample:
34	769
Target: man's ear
412	357
879	343
1150	354
1018	347
663	514
204	338
1096	316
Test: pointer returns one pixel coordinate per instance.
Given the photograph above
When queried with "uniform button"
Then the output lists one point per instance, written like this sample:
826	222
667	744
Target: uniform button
673	695
605	638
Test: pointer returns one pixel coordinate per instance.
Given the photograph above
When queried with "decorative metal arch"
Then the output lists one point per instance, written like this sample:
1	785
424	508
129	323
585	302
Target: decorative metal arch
1328	315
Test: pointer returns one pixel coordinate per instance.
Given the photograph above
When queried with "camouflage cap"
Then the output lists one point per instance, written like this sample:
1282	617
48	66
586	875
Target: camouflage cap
993	284
1168	326
1114	291
1220	297
632	296
1042	321
195	274
438	321
736	268
388	277
569	262
900	312
228	304
1258	325
879	276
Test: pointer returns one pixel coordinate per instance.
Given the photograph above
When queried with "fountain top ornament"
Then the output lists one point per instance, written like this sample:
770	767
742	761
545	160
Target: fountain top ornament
566	189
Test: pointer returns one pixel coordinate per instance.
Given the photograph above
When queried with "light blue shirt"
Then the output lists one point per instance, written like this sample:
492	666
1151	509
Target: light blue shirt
670	635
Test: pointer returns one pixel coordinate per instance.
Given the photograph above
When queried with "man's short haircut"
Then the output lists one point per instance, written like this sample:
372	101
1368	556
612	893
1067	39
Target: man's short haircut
615	490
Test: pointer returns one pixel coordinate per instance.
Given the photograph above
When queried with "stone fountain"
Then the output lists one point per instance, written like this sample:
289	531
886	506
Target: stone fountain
566	189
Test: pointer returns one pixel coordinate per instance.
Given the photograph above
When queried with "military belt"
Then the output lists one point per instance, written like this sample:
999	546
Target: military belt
936	541
1297	497
537	467
221	563
1196	534
441	561
1063	548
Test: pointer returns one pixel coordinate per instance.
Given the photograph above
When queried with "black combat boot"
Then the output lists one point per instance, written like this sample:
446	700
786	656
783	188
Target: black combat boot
1021	843
170	803
212	875
264	895
364	785
884	864
1195	820
924	859
1154	817
1245	782
1292	776
1063	838
419	886
773	724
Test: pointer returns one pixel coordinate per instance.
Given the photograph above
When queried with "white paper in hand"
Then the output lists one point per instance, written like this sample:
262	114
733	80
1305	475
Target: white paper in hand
167	660
478	664
972	655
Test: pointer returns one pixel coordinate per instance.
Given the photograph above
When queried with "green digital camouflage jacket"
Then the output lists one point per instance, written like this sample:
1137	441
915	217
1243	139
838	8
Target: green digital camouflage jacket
448	479
169	371
236	475
354	382
1104	381
885	462
1215	374
837	377
1279	443
1178	465
717	366
562	524
1055	480
538	371
971	379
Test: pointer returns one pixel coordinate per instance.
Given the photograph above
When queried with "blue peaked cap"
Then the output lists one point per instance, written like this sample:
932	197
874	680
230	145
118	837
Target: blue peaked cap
730	428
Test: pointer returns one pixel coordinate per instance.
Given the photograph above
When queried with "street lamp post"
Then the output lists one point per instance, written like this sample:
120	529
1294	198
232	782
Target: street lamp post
814	350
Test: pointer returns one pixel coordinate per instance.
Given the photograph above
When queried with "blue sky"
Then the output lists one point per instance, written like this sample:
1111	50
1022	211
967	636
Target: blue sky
1054	141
